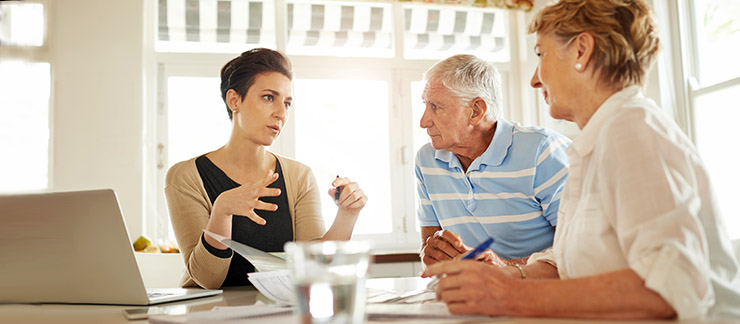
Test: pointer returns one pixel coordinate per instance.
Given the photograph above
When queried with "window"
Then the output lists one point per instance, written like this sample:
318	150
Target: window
25	91
713	80
344	136
21	23
357	92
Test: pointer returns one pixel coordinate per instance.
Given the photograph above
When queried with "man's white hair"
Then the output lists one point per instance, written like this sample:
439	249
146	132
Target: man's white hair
468	77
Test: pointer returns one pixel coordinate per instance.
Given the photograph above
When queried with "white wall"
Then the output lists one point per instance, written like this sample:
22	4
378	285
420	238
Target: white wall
96	56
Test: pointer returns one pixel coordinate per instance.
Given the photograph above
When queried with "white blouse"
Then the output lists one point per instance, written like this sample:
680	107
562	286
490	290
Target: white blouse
638	196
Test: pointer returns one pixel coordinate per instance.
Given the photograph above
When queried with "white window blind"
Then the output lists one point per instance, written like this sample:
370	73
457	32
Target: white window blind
214	25
340	28
436	32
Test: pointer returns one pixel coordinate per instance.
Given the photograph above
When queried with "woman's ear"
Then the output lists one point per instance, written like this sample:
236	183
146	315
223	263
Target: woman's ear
583	44
233	100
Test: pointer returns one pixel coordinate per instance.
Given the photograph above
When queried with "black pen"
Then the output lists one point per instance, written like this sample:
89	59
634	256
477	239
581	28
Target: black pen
338	192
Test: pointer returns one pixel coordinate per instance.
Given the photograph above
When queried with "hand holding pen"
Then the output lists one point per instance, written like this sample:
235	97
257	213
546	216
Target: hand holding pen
471	255
434	283
347	195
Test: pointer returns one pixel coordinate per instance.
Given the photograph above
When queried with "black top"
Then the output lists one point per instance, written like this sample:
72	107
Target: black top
269	237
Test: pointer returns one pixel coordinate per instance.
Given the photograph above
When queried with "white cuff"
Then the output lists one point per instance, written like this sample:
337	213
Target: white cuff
681	280
546	256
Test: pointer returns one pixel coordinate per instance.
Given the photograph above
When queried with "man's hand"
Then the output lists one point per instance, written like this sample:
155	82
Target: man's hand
443	245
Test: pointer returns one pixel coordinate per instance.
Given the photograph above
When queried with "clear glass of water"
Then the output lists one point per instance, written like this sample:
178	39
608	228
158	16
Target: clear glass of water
329	278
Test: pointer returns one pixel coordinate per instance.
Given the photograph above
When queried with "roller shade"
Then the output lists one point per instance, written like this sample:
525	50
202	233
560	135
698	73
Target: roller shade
340	28
215	25
440	31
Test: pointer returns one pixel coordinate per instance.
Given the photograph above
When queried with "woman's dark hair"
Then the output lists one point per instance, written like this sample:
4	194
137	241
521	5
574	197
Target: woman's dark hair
239	74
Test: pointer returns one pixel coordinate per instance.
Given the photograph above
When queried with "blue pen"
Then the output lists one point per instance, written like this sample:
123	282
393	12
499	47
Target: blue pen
478	250
432	285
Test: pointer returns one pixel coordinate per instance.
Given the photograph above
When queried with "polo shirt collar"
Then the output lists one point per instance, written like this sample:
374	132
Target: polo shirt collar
494	154
586	140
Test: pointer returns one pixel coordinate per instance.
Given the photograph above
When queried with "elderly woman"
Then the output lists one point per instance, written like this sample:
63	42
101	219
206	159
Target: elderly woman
639	235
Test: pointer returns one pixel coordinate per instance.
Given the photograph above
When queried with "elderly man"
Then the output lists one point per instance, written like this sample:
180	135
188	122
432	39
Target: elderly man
482	176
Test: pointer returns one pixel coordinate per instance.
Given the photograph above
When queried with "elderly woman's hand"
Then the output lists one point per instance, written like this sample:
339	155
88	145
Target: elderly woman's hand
469	287
351	198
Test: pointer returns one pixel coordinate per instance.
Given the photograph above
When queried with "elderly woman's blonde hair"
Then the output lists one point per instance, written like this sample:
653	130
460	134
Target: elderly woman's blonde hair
625	36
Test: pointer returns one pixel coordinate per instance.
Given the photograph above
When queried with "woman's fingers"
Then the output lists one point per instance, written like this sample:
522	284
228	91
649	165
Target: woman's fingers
245	199
350	195
255	218
269	178
354	195
261	205
269	192
359	203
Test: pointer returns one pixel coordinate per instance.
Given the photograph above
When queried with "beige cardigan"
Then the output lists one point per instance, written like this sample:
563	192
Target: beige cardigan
190	209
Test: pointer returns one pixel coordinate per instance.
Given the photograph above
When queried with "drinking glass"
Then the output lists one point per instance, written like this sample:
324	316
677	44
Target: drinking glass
329	278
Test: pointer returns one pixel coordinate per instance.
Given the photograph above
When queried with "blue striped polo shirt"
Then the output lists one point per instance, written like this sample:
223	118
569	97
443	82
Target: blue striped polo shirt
511	192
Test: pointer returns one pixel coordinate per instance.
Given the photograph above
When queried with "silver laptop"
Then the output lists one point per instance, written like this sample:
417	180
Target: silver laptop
72	247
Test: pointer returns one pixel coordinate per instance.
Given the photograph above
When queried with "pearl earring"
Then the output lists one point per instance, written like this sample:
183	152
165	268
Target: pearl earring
235	111
579	66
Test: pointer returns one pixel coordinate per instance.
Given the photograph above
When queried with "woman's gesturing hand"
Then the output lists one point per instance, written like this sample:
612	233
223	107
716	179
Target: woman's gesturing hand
243	200
351	198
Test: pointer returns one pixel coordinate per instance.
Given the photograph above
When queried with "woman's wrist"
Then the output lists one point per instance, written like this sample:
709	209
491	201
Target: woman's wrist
514	271
342	212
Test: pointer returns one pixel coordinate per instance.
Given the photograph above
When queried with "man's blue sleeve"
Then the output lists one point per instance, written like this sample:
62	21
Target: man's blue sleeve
425	212
550	175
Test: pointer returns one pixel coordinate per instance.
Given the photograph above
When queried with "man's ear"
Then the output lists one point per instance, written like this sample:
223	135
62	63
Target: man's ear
583	44
233	99
479	108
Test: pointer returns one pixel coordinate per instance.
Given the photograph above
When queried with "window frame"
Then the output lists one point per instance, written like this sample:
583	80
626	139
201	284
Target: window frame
679	64
399	72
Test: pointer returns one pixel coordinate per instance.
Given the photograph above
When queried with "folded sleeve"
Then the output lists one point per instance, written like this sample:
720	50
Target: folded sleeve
657	210
546	256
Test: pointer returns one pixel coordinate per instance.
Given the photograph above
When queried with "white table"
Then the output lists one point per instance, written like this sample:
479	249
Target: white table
96	314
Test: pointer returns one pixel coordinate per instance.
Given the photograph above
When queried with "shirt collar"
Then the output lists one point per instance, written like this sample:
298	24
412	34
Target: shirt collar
586	140
494	154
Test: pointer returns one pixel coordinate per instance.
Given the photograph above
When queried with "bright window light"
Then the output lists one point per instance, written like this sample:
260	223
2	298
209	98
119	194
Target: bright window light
420	134
197	119
342	129
719	40
713	117
21	24
24	126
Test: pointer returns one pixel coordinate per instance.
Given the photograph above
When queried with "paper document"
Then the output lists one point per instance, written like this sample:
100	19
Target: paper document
275	285
425	310
261	260
226	315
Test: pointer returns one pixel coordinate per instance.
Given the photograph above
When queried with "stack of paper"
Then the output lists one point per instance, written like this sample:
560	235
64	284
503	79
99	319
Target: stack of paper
224	315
